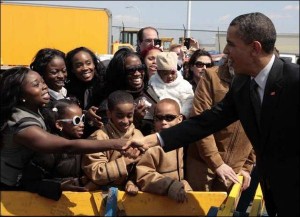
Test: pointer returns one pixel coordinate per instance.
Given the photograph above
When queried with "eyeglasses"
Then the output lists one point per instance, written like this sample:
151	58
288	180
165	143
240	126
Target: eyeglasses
149	40
200	64
133	69
75	121
167	118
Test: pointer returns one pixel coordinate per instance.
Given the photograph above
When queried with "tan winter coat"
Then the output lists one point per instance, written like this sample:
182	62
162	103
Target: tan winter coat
230	145
109	167
160	172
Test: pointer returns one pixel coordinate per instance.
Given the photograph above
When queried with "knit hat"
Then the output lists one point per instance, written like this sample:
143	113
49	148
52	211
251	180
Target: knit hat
166	61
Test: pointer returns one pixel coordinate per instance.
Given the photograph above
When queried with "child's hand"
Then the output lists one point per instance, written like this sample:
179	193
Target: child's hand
93	118
177	192
130	160
140	111
181	196
131	188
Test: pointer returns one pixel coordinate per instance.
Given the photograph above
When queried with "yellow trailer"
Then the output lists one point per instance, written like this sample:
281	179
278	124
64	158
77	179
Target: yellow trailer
26	28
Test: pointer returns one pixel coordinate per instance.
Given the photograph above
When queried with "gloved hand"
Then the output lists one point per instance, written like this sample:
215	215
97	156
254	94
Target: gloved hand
177	192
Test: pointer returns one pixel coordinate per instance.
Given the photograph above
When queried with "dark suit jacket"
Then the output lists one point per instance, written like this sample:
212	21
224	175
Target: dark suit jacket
276	143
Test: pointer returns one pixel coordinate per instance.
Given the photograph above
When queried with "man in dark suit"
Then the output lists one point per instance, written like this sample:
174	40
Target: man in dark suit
272	127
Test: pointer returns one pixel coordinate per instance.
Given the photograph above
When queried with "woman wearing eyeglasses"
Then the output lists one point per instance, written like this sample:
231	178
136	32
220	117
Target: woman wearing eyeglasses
126	72
198	63
23	130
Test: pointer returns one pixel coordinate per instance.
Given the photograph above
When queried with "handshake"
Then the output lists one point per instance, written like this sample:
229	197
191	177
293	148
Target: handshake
133	148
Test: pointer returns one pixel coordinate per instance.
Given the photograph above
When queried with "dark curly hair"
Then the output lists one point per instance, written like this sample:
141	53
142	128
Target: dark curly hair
43	57
256	27
10	90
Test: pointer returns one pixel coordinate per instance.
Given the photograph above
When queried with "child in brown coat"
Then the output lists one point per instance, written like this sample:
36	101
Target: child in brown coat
161	172
111	168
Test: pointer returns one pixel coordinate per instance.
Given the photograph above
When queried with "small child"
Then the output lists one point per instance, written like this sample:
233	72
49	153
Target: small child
169	83
161	172
50	174
111	167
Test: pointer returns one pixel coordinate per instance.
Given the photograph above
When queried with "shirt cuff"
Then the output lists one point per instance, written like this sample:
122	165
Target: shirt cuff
161	141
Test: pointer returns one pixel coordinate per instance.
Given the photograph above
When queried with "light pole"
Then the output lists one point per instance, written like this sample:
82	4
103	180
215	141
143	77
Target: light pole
189	19
139	12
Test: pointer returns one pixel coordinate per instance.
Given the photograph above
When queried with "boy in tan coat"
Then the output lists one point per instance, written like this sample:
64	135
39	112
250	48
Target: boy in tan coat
111	168
159	172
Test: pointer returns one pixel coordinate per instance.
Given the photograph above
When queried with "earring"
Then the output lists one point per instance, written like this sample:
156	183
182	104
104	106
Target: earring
23	100
60	129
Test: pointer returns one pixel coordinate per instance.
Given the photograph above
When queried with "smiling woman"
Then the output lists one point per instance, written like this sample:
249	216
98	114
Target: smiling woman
85	76
126	72
50	64
86	82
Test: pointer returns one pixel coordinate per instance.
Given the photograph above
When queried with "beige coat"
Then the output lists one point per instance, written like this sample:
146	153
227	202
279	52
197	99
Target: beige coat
159	172
109	167
230	145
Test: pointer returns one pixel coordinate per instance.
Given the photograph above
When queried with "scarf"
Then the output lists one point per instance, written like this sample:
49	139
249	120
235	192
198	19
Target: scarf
113	133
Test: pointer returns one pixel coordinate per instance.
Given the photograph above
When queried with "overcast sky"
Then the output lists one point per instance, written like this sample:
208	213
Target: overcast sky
205	15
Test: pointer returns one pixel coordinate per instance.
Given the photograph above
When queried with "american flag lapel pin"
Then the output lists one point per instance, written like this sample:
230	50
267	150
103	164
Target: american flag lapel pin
273	93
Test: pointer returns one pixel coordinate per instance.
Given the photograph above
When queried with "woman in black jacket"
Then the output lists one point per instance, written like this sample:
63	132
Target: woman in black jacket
85	82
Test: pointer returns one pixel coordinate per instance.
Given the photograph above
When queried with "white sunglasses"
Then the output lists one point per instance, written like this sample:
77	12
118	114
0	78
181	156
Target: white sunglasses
76	120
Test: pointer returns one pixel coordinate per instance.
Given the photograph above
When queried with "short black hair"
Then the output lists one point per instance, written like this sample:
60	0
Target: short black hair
256	27
118	97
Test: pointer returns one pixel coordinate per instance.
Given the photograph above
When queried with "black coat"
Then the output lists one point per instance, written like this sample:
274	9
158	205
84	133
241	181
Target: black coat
276	145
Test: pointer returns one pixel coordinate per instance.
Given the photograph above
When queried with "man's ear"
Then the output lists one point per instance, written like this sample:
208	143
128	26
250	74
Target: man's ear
58	125
256	48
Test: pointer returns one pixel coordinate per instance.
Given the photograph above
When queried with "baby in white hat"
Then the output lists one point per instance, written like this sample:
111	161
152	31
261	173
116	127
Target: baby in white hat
169	83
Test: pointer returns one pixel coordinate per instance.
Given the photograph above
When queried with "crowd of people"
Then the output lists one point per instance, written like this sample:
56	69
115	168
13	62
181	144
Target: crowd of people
157	121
